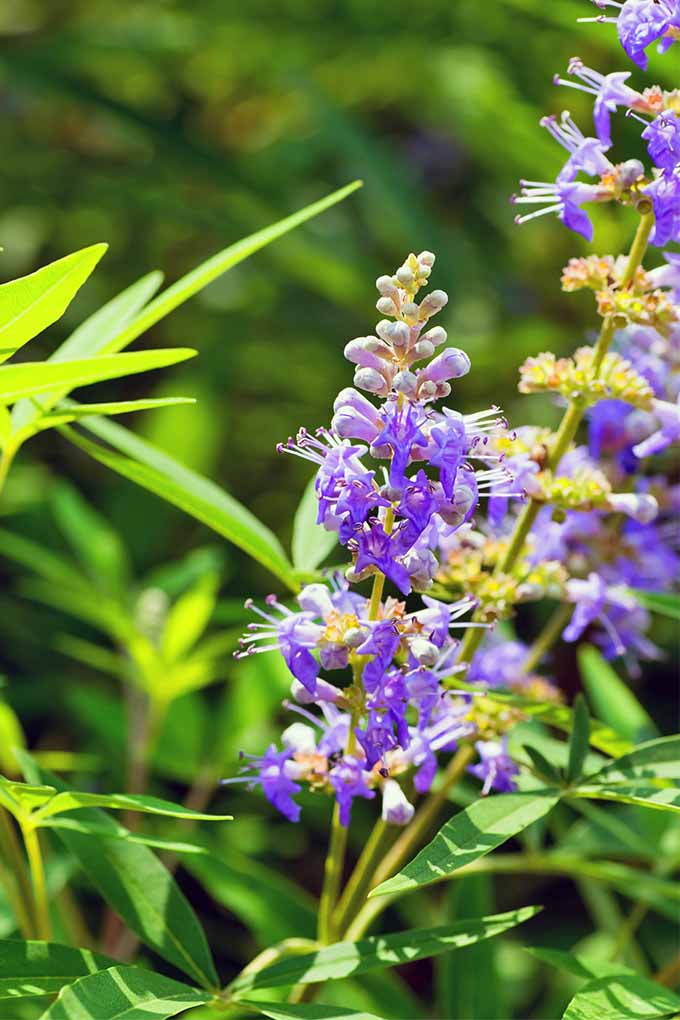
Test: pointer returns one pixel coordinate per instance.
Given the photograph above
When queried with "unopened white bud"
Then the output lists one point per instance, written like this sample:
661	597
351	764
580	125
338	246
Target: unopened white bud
371	380
424	651
300	738
437	336
385	285
642	507
426	258
423	349
386	306
410	312
405	276
433	303
405	382
395	808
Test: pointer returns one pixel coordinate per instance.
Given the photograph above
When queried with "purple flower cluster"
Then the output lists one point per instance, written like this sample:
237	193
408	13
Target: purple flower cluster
640	22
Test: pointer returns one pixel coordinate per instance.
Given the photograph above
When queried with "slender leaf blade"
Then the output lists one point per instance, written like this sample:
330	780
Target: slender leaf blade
579	739
661	602
656	759
132	993
307	1011
659	799
70	800
30	968
311	542
32	303
161	474
32	378
470	834
622	997
611	698
348	959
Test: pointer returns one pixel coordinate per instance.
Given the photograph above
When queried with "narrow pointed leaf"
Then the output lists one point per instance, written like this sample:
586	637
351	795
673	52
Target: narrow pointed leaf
657	759
472	833
577	964
348	959
307	1011
579	739
70	800
213	267
660	799
622	997
188	617
32	303
33	378
663	603
611	698
124	993
91	337
311	542
161	474
140	889
120	832
41	968
69	411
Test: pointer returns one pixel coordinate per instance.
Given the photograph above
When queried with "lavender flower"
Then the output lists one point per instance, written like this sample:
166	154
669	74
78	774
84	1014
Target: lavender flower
639	23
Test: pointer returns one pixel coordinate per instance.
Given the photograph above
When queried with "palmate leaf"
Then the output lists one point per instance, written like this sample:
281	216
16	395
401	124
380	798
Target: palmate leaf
40	968
470	834
29	378
132	993
161	474
134	882
307	1011
91	337
348	959
32	303
622	997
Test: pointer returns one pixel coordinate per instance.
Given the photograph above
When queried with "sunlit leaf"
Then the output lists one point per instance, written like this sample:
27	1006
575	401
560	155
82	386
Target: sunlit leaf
41	968
622	997
307	1011
656	759
71	800
32	303
663	603
664	799
188	617
132	993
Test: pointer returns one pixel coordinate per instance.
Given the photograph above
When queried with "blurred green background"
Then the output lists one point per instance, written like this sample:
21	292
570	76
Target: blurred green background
172	129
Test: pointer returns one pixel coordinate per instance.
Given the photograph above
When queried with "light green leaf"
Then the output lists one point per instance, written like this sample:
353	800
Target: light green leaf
41	968
472	833
120	832
661	799
68	411
663	603
345	959
622	997
11	736
71	800
307	1011
32	303
26	795
656	759
579	739
209	270
134	882
132	993
157	471
95	542
188	617
91	337
311	542
577	964
611	698
39	559
29	378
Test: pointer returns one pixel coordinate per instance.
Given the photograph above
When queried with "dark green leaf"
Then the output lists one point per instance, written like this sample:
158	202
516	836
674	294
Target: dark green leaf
545	769
622	997
40	968
657	759
579	739
472	833
577	964
308	1011
132	993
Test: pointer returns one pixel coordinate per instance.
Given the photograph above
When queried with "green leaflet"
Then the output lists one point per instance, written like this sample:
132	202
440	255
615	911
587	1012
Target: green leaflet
70	800
91	337
41	968
345	959
622	997
663	603
311	542
188	617
577	964
578	739
472	833
32	303
308	1011
611	698
159	473
29	378
139	888
132	993
656	759
661	799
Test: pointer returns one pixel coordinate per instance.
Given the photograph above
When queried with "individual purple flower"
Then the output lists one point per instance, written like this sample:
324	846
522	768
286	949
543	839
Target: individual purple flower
272	772
294	634
375	548
499	665
663	141
609	433
449	445
639	23
668	416
400	432
610	91
564	198
617	612
664	191
381	644
396	809
348	779
496	768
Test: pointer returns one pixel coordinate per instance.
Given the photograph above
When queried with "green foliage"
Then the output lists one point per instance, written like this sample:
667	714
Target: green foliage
311	542
622	997
611	698
132	993
32	968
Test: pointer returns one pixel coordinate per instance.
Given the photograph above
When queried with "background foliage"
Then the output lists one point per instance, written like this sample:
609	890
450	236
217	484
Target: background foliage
170	130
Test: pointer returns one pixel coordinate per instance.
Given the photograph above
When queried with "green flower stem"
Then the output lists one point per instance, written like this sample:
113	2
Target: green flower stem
37	870
13	875
548	636
363	874
417	830
566	432
6	457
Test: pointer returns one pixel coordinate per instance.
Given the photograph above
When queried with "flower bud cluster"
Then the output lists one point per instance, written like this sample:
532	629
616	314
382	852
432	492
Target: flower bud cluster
575	378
